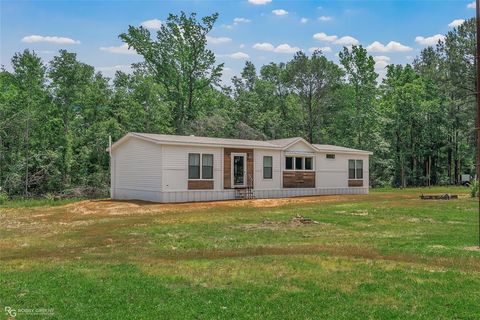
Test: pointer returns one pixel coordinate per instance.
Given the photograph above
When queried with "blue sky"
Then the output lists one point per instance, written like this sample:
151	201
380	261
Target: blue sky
257	30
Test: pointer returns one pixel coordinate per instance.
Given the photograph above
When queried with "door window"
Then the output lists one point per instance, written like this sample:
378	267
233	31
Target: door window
238	170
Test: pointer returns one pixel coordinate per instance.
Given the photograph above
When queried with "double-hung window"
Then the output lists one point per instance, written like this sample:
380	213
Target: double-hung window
355	169
308	163
289	163
194	166
267	167
200	166
207	166
298	163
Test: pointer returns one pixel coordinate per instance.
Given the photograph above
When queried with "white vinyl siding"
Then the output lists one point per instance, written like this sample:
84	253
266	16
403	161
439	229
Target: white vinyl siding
333	173
137	165
175	166
261	183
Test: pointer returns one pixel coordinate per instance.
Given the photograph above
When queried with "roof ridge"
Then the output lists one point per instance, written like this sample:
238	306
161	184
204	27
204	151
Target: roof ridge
195	136
281	144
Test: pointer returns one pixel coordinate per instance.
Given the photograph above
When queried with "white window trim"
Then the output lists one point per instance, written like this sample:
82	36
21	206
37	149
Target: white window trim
201	163
355	169
303	163
263	168
245	169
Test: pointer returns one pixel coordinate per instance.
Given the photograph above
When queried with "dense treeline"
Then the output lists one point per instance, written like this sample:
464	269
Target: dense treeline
56	116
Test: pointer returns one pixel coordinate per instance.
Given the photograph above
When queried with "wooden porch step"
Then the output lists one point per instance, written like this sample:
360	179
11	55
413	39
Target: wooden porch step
244	193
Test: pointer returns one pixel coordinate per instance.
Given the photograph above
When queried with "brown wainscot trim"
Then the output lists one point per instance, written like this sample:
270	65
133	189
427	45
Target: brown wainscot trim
299	179
355	183
200	184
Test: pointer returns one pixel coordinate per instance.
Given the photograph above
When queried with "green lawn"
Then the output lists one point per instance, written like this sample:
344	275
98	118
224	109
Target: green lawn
384	255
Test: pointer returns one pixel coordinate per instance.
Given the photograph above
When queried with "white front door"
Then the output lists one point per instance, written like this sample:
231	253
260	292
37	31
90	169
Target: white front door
239	170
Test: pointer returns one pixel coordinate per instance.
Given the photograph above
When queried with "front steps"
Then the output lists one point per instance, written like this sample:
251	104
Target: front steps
244	193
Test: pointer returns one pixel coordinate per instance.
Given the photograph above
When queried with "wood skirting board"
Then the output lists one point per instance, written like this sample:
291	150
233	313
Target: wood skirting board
200	184
299	179
355	183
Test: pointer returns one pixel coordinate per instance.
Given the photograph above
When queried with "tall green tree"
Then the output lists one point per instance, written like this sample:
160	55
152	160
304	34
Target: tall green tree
69	81
458	55
314	79
362	81
179	60
29	75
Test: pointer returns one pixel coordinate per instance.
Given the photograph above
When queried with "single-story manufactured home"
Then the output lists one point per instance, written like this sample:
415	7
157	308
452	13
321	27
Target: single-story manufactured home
173	168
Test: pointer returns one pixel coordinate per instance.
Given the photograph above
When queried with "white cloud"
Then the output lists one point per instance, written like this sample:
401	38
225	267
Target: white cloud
120	67
50	39
429	41
153	24
321	36
239	55
282	48
381	62
242	46
123	49
236	22
259	2
347	41
241	20
286	48
323	49
472	5
392	46
303	20
456	23
265	46
381	58
280	12
218	40
324	18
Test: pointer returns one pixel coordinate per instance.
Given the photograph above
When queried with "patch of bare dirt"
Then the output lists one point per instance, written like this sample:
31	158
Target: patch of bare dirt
354	213
456	222
472	248
296	221
117	207
437	246
418	220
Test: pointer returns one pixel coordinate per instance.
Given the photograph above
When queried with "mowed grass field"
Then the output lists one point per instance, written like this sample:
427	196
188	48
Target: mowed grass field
386	255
